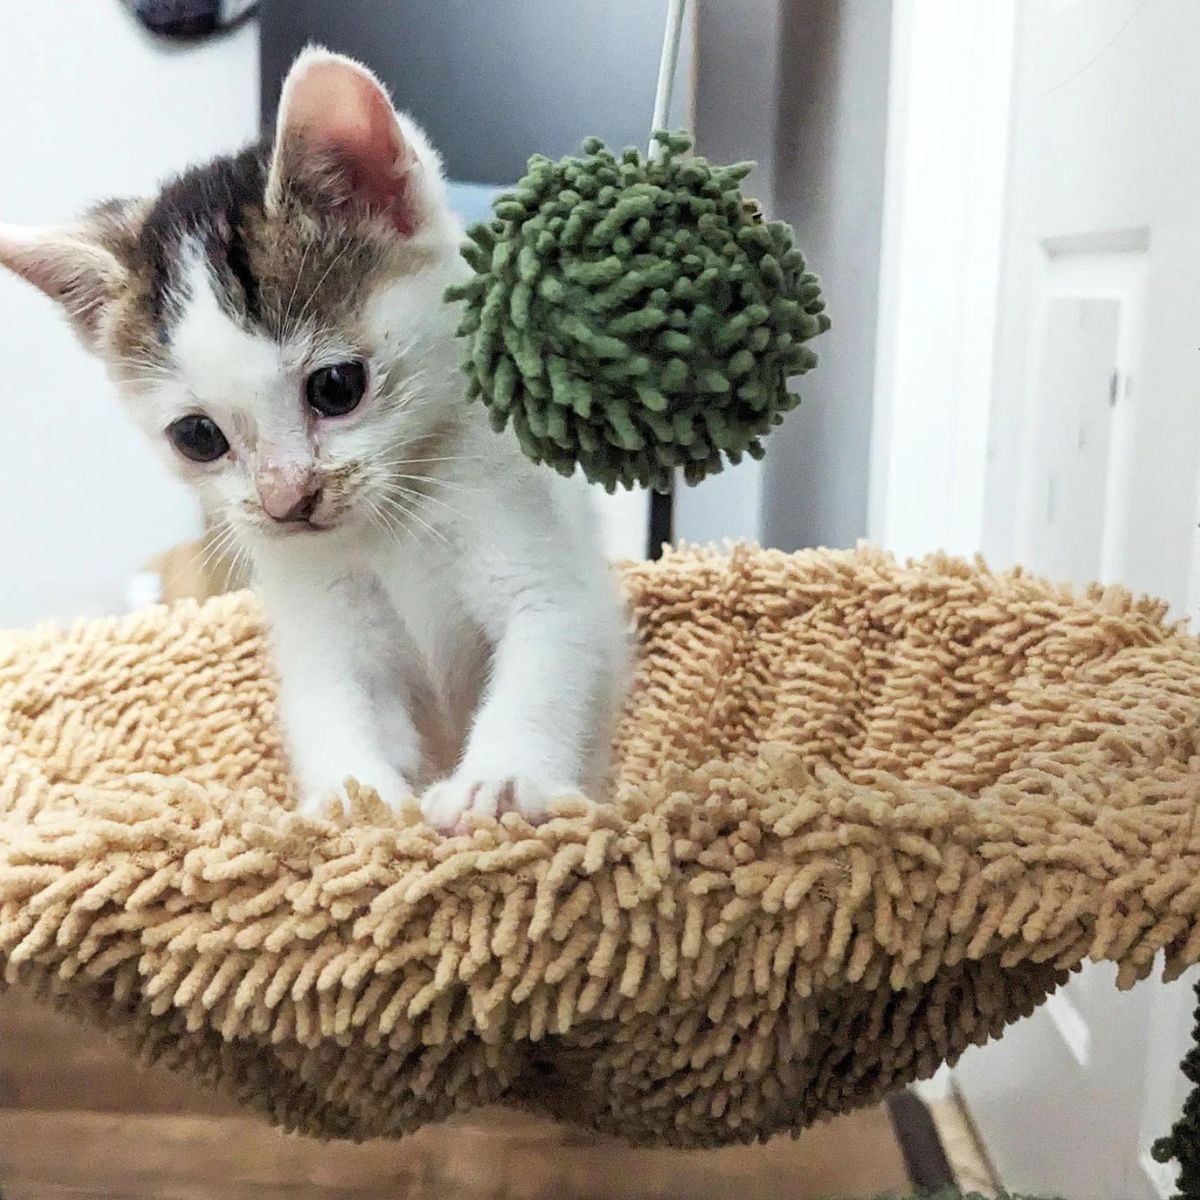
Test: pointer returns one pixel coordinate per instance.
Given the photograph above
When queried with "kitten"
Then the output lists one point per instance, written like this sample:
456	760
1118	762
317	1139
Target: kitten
441	615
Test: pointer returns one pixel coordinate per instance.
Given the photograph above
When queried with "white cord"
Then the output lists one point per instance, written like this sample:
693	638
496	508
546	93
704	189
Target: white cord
666	71
660	503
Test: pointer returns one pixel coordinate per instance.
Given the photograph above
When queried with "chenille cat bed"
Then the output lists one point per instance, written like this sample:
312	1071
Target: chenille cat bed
866	815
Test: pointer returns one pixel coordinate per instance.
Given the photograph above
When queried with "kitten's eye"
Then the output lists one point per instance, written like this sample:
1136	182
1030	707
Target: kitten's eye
197	437
334	391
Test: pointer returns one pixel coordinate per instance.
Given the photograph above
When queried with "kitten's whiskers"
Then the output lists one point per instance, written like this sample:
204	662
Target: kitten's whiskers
399	489
393	503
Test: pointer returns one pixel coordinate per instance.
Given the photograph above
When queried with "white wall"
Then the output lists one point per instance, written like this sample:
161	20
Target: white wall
92	107
947	162
800	87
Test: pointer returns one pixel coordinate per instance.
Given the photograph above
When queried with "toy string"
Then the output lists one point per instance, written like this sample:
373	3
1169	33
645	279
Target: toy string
661	503
667	63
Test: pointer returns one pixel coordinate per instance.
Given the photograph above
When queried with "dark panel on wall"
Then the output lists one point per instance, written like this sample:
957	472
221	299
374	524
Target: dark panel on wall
494	82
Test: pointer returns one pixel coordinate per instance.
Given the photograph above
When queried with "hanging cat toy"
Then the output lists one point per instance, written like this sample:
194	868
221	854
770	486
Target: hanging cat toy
636	317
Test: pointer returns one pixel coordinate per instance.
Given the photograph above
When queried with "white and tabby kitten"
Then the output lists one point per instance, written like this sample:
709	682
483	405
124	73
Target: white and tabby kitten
441	614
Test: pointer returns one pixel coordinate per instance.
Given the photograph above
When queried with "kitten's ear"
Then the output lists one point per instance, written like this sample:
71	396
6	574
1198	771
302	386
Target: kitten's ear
72	264
339	142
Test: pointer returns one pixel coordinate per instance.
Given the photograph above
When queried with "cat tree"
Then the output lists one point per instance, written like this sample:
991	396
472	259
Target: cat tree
865	815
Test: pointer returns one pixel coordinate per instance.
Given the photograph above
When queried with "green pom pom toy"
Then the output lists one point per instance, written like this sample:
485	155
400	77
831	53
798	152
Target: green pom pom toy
632	316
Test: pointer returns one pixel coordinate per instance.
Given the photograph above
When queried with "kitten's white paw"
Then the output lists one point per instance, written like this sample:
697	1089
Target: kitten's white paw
446	804
393	789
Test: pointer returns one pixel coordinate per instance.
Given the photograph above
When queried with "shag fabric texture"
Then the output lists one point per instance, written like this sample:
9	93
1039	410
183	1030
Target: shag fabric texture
866	814
635	317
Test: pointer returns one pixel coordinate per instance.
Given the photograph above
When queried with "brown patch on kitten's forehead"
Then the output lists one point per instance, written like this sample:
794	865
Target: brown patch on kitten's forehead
303	267
317	273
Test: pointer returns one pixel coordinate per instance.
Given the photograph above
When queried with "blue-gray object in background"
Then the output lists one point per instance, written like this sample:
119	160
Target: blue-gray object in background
189	18
492	83
472	201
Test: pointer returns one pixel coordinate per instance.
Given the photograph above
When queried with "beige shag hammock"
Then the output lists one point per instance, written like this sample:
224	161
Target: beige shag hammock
866	815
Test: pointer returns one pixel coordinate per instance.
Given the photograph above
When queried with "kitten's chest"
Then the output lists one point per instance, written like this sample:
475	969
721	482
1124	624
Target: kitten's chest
438	638
421	659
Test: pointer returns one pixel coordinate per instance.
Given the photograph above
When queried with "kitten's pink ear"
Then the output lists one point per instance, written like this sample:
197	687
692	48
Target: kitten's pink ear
340	142
71	265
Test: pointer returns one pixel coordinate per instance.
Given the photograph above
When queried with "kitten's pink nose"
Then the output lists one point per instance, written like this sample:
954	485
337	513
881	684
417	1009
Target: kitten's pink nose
288	494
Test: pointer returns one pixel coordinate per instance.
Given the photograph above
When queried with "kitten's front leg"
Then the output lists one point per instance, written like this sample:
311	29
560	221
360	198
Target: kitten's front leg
544	720
329	735
326	707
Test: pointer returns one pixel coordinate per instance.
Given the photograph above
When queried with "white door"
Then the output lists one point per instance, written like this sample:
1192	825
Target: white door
1093	464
